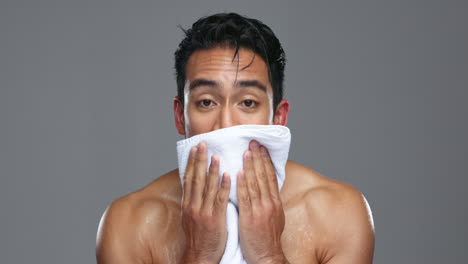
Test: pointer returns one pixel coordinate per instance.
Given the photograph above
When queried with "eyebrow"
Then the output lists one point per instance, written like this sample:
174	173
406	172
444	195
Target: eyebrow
239	84
203	82
251	83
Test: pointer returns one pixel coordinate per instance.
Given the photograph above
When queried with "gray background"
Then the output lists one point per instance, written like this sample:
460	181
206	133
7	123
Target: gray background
378	97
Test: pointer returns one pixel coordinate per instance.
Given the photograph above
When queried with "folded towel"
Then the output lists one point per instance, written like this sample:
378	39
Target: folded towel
229	145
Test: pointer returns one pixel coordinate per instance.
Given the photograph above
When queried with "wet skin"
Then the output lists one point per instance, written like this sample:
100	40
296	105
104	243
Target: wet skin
325	220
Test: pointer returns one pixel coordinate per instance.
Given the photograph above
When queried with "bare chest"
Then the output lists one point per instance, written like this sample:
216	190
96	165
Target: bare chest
299	241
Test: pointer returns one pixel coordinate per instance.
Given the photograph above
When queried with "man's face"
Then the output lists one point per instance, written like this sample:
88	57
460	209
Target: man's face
220	93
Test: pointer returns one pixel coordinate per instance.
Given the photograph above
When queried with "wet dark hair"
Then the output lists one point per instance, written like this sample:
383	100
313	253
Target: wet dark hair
234	31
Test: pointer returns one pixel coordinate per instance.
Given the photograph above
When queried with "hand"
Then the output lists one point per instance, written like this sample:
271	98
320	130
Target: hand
261	215
204	208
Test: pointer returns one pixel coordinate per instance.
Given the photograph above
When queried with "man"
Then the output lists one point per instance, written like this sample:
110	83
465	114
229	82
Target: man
230	72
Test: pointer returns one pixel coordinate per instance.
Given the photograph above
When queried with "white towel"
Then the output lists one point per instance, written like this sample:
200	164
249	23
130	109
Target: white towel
229	145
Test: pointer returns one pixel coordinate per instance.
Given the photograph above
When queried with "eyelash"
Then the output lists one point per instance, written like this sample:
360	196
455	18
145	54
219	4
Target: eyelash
255	103
199	103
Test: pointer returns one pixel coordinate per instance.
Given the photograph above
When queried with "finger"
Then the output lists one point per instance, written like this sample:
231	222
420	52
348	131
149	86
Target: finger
260	173
251	181
271	173
188	175
198	182
211	185
222	197
243	198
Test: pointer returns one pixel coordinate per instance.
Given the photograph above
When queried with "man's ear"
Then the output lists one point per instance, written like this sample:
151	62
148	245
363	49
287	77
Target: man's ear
179	119
282	112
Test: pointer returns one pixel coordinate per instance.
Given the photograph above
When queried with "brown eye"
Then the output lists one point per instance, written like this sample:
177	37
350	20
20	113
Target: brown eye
250	103
205	102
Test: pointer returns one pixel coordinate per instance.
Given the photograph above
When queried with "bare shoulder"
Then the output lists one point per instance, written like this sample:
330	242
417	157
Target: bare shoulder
341	212
133	223
322	192
306	181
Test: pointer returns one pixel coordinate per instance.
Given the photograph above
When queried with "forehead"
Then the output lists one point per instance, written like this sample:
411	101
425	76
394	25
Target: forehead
219	64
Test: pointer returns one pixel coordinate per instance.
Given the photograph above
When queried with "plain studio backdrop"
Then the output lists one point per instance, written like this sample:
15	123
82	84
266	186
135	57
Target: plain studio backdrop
378	95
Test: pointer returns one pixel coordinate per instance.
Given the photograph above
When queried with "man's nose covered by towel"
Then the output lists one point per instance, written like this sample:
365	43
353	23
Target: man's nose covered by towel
229	145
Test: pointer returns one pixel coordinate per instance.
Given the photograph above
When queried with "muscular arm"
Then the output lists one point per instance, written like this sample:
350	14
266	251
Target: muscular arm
118	240
355	231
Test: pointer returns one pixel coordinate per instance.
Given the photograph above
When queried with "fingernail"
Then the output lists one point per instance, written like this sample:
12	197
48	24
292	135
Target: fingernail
226	176
248	155
201	147
193	150
214	160
254	145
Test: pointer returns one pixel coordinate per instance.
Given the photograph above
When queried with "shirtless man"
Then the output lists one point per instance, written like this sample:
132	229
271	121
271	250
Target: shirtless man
230	72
